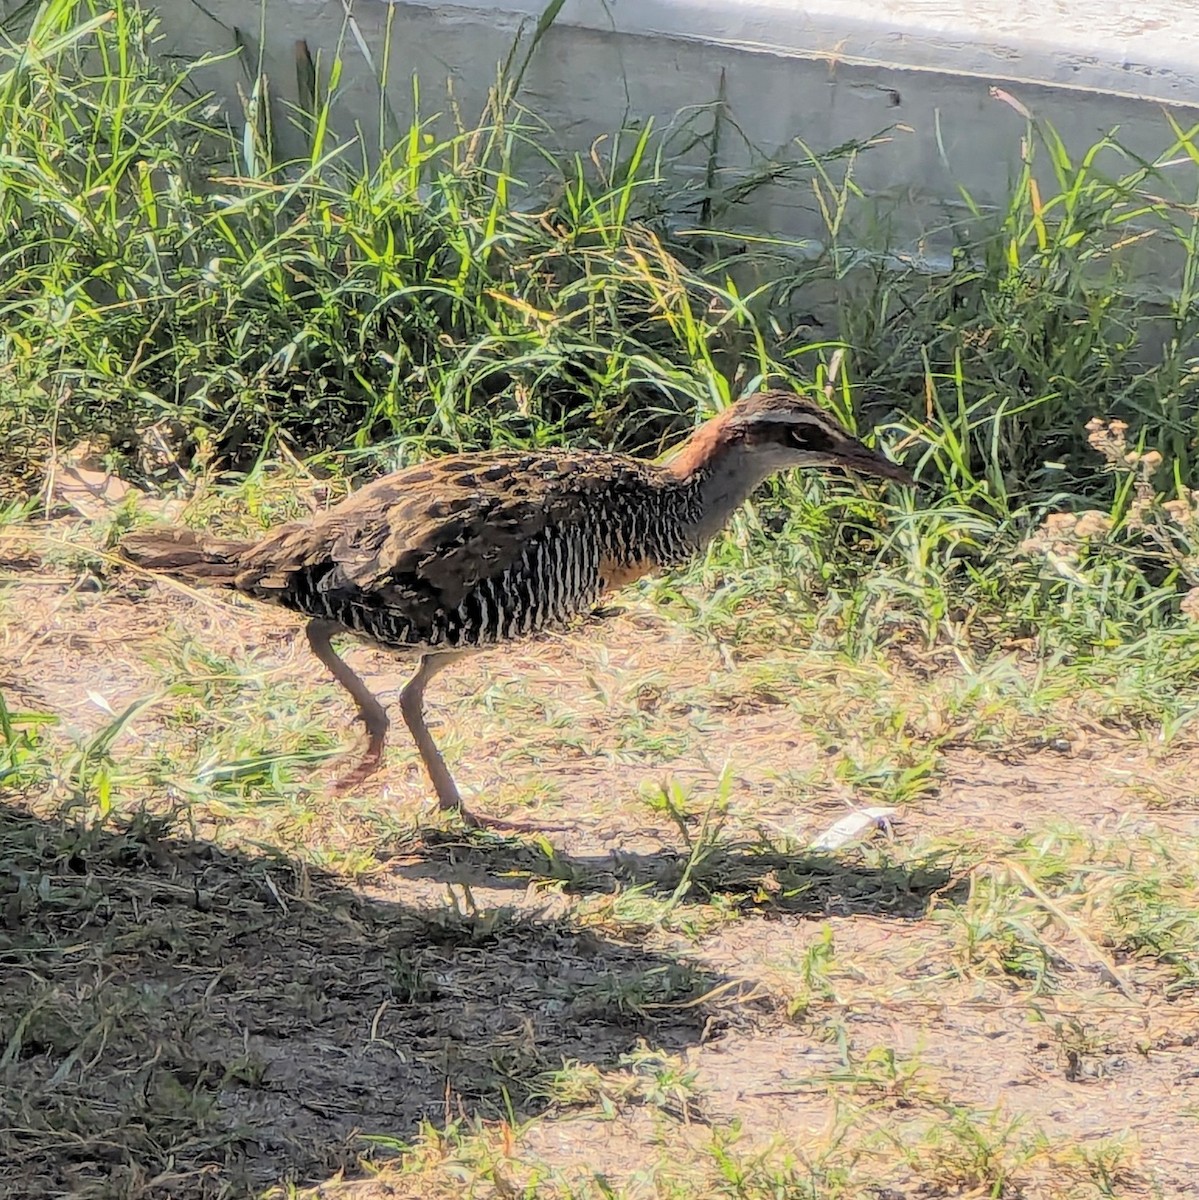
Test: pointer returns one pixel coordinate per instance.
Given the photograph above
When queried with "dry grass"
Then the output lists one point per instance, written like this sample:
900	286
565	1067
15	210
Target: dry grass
223	982
218	981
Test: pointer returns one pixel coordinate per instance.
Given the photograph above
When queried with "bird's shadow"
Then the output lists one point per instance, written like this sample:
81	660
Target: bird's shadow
220	1020
757	875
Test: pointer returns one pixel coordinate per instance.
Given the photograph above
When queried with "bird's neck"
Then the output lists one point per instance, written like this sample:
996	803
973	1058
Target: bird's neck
718	475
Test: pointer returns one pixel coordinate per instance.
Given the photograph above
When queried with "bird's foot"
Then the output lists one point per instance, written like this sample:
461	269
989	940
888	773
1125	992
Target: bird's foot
471	821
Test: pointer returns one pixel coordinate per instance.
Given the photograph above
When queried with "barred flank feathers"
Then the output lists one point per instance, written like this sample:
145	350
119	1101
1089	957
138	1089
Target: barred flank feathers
185	555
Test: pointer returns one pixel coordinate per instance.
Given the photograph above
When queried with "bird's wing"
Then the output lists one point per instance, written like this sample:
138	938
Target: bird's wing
433	531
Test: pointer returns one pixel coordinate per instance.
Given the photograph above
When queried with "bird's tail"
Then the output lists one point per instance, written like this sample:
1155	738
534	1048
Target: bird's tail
185	554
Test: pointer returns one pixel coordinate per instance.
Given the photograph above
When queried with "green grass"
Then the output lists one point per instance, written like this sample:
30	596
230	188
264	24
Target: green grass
226	982
361	306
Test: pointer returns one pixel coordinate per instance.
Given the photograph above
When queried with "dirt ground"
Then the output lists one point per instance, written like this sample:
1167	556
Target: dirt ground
210	997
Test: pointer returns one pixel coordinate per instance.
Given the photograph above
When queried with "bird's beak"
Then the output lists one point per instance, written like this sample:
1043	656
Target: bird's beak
864	461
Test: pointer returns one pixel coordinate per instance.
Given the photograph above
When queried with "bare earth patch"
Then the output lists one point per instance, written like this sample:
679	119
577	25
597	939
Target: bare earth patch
217	979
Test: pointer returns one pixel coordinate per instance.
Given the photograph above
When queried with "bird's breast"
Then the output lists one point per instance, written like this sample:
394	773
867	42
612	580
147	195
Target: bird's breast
617	573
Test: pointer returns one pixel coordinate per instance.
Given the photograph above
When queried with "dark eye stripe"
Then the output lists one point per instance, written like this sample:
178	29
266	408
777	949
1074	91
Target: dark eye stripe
811	437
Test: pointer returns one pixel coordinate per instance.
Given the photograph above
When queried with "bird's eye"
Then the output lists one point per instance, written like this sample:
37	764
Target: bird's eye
812	439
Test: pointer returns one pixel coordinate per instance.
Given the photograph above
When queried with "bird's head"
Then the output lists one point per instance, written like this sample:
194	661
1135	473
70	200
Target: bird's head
778	431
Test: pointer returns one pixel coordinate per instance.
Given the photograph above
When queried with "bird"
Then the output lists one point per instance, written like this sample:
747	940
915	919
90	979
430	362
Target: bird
473	551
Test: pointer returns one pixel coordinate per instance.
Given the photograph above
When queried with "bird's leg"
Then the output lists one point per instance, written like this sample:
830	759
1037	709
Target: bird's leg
371	712
412	705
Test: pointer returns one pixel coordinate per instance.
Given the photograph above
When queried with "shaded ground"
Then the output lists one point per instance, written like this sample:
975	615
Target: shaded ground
998	998
242	1018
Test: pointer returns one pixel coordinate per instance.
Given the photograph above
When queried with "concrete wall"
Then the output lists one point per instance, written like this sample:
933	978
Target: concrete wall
825	72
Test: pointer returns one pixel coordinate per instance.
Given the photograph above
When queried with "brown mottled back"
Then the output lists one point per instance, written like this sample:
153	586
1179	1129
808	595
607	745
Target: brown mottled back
474	548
